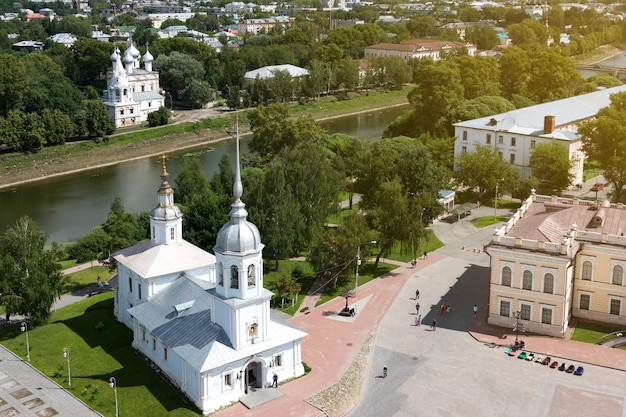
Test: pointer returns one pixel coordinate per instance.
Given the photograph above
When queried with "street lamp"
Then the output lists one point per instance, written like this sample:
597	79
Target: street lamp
167	93
24	328
66	354
495	206
519	327
358	262
113	384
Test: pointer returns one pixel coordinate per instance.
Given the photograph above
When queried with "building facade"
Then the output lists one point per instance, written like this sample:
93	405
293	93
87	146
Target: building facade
517	132
205	319
256	26
555	259
417	49
132	92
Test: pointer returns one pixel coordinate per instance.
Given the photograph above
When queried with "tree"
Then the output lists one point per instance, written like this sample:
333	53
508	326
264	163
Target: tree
483	169
479	107
97	121
13	82
190	180
159	118
604	141
58	126
480	76
176	71
552	77
529	34
30	279
514	70
93	245
484	37
122	227
197	93
91	62
329	55
551	166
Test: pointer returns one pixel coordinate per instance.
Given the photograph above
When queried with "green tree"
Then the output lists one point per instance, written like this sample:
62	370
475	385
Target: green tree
97	121
551	166
481	76
58	126
479	107
329	55
604	141
197	93
122	227
93	245
484	37
13	83
529	34
176	71
552	77
91	62
30	278
159	118
190	180
482	169
514	72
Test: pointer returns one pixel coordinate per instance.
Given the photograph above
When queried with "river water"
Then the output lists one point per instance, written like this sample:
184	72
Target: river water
68	206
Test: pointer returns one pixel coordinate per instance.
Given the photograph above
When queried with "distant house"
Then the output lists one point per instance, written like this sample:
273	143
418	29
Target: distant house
256	26
30	46
517	132
417	49
269	71
65	39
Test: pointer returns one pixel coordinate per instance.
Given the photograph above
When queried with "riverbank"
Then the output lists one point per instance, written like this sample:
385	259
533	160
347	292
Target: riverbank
71	158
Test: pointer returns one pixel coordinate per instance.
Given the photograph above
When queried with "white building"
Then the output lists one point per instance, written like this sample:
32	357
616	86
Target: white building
132	92
205	320
417	49
517	132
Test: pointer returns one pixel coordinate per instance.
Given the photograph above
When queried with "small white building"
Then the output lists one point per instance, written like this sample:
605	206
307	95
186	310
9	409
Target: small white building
417	49
132	92
205	319
517	132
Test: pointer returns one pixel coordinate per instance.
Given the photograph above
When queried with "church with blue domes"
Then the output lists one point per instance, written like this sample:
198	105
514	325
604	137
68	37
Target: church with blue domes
205	319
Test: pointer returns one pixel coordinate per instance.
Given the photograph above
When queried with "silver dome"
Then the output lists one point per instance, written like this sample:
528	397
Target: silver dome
165	213
238	235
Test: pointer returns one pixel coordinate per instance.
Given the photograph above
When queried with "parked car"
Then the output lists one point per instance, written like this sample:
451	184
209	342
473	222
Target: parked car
579	371
562	367
522	355
546	360
598	186
539	359
570	369
554	365
530	356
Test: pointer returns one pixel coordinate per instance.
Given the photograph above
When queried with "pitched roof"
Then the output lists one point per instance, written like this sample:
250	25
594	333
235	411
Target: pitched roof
150	259
269	71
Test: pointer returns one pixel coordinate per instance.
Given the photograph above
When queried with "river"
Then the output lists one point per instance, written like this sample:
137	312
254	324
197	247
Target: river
68	206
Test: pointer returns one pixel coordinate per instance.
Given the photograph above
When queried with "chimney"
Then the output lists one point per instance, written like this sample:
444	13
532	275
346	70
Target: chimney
549	124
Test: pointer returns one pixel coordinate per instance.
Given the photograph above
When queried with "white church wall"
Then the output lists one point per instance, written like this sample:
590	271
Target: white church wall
205	274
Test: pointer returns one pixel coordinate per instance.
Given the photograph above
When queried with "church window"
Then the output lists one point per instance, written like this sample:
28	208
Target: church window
143	88
130	284
278	361
172	233
234	277
139	290
143	334
125	92
228	380
220	274
153	343
117	93
153	232
131	110
121	112
251	281
164	353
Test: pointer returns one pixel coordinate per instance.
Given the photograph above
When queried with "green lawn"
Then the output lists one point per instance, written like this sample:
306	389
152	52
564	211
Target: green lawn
430	243
95	356
341	215
488	221
595	333
306	281
86	277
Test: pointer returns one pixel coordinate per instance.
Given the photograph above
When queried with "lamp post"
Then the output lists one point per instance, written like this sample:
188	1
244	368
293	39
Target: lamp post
495	206
66	354
24	328
519	327
358	262
113	384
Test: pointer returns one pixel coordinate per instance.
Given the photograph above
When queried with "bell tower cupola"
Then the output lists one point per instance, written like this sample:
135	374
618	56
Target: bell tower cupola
166	219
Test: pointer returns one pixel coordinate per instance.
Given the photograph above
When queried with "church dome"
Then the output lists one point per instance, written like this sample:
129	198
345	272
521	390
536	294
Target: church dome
165	213
147	57
115	55
128	58
238	235
134	52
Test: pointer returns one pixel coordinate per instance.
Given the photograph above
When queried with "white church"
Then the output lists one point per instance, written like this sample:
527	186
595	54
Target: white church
132	92
205	319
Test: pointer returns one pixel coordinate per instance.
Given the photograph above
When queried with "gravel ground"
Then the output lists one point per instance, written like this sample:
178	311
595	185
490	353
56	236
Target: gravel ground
337	400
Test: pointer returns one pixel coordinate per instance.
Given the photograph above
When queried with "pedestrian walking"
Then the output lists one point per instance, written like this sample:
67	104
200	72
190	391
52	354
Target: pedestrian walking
448	309
443	309
433	326
417	294
275	380
413	263
425	255
100	284
417	309
475	310
385	371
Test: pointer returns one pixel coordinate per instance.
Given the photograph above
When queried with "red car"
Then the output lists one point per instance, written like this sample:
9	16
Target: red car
554	364
598	186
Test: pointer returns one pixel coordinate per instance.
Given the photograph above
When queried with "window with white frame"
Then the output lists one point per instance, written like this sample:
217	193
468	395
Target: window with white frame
164	353
278	361
228	380
587	270
143	334
500	140
251	278
618	275
130	284
220	274
512	158
464	149
546	315
488	139
584	301
525	311
513	141
527	280
506	276
153	343
465	135
615	306
548	283
139	290
172	233
505	308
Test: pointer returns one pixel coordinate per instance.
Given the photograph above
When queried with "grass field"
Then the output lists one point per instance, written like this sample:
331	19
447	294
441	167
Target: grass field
595	333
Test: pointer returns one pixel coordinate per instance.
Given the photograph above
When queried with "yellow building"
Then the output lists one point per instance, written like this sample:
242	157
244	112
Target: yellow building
555	259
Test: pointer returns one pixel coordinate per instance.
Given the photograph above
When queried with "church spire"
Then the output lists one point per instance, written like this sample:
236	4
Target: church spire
237	186
166	218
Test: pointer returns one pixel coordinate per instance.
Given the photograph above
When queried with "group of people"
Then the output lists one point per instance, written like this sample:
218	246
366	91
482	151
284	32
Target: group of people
414	261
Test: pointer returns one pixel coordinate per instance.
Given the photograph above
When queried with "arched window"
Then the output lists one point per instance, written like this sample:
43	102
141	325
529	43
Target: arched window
220	274
234	277
548	283
586	271
527	280
618	275
251	280
506	276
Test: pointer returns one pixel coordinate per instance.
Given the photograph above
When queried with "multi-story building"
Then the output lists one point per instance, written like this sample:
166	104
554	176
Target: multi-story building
555	259
417	49
256	26
517	132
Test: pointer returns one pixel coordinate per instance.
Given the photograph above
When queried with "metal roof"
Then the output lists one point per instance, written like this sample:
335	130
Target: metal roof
268	72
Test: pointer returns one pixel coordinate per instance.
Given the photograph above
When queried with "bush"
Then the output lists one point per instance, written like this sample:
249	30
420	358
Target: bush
159	117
